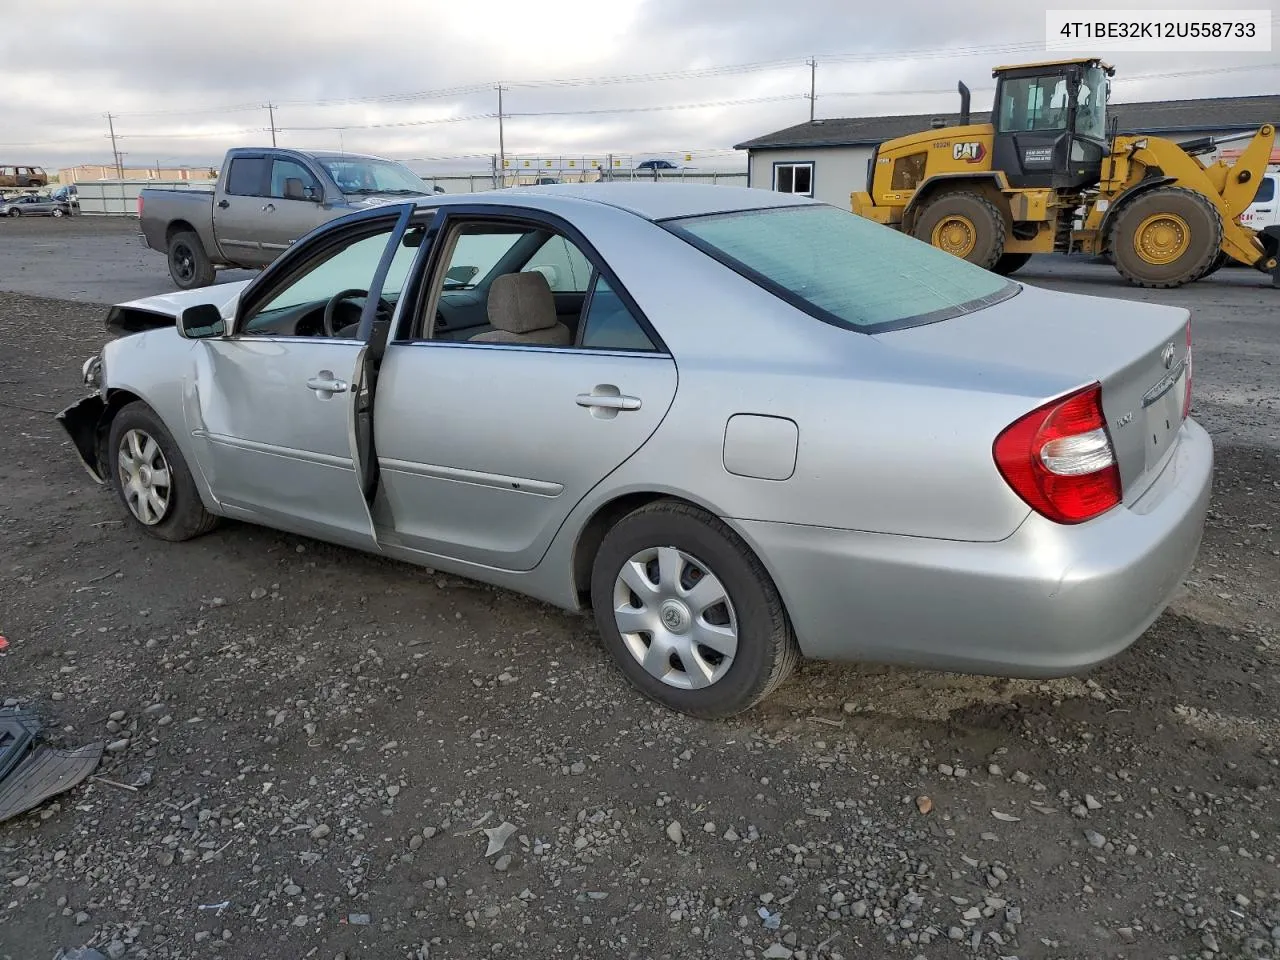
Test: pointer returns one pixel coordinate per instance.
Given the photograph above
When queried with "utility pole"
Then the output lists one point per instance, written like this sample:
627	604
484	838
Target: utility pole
502	144
114	152
271	115
813	85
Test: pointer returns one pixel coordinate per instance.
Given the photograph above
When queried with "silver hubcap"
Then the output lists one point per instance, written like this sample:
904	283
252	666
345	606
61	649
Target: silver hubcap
144	477
675	618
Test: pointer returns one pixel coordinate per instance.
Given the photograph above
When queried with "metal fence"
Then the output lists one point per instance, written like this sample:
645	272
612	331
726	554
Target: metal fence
480	182
119	198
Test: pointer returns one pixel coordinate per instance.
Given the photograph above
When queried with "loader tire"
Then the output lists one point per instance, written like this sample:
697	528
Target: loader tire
1166	237
1011	263
1218	263
964	224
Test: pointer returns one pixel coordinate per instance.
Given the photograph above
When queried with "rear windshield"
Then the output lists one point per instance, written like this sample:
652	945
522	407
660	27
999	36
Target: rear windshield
843	268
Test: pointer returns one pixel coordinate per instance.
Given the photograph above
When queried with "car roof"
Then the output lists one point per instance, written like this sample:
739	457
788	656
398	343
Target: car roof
652	201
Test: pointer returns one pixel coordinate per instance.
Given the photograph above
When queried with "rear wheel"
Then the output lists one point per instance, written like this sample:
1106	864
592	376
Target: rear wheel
189	265
1166	237
1011	262
688	612
965	225
15	212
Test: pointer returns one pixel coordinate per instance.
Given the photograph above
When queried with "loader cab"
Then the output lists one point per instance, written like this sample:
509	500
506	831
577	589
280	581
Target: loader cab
1050	122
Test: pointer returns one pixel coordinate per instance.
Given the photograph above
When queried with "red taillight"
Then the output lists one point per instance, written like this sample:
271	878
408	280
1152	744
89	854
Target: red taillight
1059	458
1186	397
139	206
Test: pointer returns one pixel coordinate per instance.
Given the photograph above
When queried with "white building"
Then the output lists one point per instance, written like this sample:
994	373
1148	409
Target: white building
827	159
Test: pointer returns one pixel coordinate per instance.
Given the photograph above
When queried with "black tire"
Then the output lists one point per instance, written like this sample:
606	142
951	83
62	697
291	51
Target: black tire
985	218
1204	237
189	264
1220	261
1011	263
15	212
766	645
184	516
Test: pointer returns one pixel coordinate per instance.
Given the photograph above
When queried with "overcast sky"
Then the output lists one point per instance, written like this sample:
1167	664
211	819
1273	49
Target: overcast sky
171	77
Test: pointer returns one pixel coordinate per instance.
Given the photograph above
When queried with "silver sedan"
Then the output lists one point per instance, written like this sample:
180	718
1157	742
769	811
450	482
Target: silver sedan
737	426
33	205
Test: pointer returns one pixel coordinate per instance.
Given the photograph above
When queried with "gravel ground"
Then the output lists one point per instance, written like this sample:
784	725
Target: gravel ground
329	744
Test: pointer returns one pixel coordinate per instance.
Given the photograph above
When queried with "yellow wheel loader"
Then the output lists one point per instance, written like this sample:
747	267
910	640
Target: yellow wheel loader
1049	174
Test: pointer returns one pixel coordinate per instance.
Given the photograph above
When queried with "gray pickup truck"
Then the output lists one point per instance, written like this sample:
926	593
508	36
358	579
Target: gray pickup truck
263	201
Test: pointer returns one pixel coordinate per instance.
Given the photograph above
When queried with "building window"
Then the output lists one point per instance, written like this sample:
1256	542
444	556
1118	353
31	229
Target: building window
793	178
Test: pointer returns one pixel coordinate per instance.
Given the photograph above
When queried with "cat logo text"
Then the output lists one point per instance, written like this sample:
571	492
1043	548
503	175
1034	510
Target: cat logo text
971	151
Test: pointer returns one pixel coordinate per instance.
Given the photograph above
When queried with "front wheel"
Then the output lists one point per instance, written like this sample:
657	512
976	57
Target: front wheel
151	477
189	264
1166	237
688	613
57	211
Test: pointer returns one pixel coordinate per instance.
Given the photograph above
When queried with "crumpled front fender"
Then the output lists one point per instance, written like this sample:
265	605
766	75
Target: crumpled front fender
83	423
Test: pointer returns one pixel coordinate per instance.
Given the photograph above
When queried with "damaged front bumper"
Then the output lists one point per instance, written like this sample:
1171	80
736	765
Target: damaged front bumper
82	421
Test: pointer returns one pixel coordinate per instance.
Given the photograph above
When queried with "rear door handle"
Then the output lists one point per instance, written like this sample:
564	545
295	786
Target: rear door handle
269	206
608	402
326	384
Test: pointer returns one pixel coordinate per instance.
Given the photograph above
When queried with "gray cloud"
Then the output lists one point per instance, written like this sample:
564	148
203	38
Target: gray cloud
166	73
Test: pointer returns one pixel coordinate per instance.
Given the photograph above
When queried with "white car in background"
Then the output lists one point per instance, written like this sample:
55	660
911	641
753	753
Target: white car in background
1264	211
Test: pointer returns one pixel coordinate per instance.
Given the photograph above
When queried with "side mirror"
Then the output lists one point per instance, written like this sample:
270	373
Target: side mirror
461	274
201	322
314	194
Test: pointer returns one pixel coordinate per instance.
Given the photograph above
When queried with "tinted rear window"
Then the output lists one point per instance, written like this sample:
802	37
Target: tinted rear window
844	268
246	176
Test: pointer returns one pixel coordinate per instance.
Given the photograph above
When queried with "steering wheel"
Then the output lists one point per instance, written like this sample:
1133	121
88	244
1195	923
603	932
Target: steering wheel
331	307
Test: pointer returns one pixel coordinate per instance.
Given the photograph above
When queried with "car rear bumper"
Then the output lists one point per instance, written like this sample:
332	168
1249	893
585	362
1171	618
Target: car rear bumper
1048	601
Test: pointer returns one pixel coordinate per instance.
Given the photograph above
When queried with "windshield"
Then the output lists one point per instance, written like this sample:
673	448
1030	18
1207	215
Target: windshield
356	175
843	268
1091	109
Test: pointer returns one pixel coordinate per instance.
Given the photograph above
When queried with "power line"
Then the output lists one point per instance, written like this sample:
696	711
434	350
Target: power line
721	70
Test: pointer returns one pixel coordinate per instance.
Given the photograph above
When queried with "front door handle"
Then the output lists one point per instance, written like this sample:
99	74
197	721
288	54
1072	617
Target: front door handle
608	402
224	203
269	206
326	383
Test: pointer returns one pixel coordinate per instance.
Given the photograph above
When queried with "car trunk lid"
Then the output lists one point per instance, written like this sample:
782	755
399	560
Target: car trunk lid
1138	352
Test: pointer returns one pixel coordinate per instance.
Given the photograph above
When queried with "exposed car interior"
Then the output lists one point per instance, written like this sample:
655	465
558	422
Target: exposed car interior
533	287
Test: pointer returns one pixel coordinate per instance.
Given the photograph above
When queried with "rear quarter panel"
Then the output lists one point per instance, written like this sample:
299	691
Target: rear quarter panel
161	209
888	441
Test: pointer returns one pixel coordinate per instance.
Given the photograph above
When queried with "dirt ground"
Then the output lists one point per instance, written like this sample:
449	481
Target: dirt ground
318	739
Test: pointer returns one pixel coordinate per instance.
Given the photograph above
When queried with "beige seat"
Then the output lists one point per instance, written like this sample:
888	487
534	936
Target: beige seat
523	310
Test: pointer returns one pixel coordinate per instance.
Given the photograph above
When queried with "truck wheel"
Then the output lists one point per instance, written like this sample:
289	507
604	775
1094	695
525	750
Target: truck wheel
1166	237
1011	263
965	225
189	265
